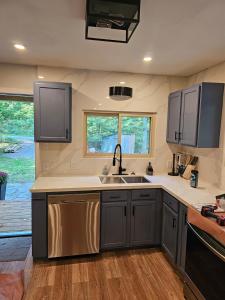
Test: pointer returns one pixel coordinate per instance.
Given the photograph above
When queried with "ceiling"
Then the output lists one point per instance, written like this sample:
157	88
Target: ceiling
182	37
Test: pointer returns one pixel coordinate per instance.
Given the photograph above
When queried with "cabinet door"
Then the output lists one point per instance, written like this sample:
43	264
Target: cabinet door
52	112
114	222
144	222
173	118
169	232
189	116
182	237
39	226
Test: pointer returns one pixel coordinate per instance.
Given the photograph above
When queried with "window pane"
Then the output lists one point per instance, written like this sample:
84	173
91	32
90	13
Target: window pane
135	135
102	133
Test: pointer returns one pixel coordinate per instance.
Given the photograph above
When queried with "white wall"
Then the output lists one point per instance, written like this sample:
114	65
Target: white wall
90	89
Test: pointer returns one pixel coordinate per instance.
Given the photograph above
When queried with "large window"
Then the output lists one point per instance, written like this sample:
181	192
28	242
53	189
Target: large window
105	130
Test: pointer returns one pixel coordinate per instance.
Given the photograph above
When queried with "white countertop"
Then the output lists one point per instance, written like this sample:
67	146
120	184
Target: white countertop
176	186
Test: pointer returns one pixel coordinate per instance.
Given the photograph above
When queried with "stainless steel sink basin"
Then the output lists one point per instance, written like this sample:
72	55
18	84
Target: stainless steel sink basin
123	179
135	179
111	179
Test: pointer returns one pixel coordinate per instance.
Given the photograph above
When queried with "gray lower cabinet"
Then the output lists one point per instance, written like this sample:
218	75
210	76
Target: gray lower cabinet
194	115
173	120
52	112
182	238
114	223
143	222
130	218
170	230
39	226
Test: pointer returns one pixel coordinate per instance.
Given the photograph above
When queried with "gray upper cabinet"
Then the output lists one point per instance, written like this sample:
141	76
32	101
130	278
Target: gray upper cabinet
189	116
173	121
199	118
52	112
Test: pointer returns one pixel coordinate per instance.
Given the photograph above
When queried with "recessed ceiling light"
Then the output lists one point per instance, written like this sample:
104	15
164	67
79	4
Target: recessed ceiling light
122	82
147	59
19	46
100	104
107	97
41	77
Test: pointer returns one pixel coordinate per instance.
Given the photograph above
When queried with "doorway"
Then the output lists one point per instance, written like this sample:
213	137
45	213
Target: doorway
17	160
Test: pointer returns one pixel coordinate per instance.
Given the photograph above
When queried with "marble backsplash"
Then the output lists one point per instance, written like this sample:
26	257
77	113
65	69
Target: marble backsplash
90	89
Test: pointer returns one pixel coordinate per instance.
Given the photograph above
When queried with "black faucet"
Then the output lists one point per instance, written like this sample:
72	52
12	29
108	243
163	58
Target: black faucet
121	169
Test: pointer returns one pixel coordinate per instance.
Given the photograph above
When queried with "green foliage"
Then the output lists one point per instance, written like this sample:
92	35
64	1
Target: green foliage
100	127
18	169
16	118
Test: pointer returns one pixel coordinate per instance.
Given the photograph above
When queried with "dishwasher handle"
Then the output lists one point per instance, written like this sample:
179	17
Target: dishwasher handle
74	198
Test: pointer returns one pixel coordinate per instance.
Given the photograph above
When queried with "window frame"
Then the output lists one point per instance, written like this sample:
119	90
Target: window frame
119	114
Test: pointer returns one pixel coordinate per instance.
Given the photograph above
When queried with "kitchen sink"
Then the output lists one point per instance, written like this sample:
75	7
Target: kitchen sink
111	179
123	179
135	179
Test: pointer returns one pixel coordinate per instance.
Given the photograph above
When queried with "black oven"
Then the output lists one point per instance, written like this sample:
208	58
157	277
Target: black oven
205	265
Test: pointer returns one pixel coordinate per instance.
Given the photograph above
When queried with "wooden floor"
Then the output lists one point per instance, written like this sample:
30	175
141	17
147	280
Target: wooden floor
133	274
15	216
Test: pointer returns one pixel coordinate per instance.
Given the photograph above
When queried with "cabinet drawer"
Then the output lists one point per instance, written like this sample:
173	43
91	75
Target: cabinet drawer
171	201
110	196
144	194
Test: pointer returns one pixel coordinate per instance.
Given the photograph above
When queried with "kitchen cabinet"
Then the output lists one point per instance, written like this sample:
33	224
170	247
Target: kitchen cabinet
143	222
182	238
130	218
39	225
114	223
173	120
199	115
170	227
52	112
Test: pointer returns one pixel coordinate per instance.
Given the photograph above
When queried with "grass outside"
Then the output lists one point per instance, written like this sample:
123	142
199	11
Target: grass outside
19	169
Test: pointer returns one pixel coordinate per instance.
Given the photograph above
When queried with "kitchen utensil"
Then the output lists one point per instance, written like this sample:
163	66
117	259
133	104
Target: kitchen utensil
173	173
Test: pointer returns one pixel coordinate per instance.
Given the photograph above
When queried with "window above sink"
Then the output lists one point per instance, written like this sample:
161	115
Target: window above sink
104	130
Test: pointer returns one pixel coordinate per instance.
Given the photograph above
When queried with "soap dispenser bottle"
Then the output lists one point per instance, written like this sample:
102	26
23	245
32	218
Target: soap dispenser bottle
149	170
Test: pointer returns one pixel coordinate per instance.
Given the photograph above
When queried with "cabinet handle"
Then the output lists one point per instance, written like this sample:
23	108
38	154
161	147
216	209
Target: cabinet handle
179	135
133	210
125	211
174	222
114	197
175	135
67	133
144	195
185	219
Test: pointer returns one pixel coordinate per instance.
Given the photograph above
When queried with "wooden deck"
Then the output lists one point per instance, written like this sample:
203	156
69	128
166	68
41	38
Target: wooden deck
15	216
131	275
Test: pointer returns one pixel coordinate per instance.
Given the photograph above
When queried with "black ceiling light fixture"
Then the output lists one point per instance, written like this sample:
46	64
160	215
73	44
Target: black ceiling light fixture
111	20
120	93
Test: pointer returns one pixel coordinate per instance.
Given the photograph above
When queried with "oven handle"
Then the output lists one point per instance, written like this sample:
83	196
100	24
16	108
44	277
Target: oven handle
211	248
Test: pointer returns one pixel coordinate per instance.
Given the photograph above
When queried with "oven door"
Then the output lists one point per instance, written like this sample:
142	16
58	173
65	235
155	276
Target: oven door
205	264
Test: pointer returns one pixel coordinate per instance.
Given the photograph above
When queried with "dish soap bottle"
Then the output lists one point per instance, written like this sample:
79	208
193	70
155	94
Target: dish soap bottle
149	169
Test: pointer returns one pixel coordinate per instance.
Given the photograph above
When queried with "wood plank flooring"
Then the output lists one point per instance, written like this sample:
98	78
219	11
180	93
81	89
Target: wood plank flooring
15	216
132	274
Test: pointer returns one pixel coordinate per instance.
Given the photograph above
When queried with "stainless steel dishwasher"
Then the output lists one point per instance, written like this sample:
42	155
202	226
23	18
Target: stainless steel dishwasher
73	224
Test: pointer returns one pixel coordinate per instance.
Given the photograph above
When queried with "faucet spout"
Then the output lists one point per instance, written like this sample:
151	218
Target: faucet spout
121	169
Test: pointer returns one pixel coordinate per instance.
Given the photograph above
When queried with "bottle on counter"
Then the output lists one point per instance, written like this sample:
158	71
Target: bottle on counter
105	170
194	179
149	169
